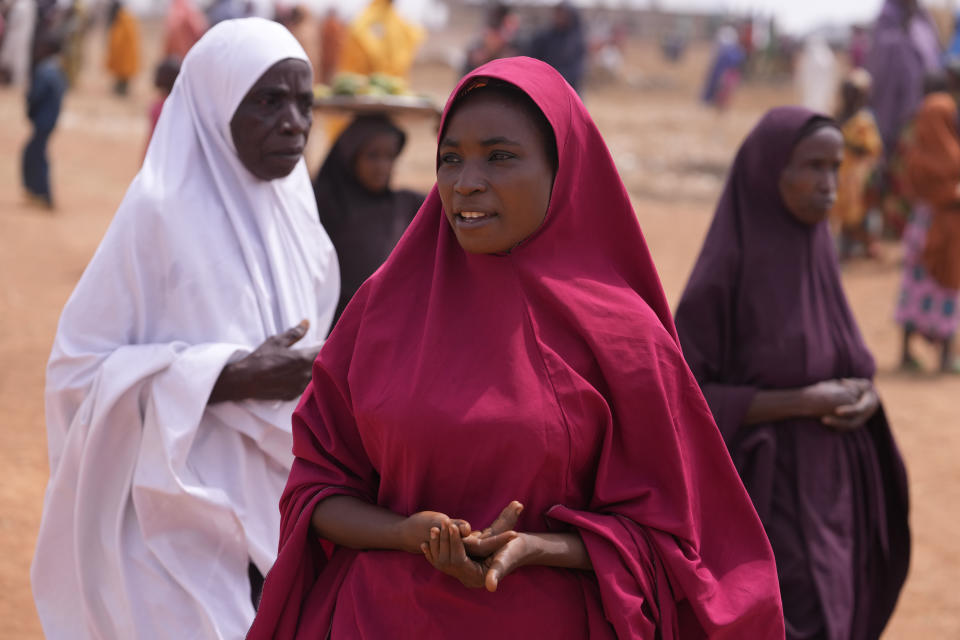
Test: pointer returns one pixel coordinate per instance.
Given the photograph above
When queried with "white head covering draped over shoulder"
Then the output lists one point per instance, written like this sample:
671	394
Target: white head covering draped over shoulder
156	501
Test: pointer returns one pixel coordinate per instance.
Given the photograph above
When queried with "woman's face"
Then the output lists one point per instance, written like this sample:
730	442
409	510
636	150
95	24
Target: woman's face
808	185
494	175
373	164
271	125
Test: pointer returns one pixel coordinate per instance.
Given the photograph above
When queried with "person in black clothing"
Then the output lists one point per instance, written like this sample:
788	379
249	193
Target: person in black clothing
361	213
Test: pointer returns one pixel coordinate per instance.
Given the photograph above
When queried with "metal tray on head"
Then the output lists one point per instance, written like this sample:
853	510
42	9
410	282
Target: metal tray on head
388	104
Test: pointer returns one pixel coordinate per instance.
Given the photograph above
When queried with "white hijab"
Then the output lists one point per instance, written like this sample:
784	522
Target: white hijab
157	502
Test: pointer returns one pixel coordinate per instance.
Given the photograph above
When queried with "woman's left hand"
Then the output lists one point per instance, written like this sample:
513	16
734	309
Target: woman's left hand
853	416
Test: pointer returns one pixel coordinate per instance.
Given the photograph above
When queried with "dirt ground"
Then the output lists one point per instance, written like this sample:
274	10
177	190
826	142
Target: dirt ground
672	153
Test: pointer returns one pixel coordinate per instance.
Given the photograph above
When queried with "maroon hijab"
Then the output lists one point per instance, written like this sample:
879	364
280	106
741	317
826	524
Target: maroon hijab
457	382
765	309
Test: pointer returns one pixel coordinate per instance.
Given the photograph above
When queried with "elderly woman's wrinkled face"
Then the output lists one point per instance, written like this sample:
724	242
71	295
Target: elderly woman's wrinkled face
271	125
494	174
808	185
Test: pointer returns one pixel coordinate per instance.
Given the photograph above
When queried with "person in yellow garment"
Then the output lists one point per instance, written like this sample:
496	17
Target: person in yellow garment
380	41
123	54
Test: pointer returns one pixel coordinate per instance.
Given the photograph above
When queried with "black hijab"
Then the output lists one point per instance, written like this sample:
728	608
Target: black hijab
364	226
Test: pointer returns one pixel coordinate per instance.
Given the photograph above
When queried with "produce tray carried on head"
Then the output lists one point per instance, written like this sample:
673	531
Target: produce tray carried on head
393	105
376	93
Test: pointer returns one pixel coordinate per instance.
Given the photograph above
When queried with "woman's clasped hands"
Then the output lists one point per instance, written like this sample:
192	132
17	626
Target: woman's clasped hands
477	558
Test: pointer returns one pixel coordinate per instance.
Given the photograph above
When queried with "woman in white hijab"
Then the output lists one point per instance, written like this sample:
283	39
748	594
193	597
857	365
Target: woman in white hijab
172	378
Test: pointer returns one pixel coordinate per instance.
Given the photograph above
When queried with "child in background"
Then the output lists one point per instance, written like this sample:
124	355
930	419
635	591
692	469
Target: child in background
862	147
163	79
47	86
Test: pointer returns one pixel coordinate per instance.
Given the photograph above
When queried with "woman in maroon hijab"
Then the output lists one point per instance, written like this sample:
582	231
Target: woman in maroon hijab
767	331
516	346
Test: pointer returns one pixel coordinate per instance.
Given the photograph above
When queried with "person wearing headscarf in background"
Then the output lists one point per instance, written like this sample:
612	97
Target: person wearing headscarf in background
185	24
498	39
123	51
905	50
359	210
862	148
173	373
44	99
930	288
724	75
563	45
332	33
515	346
767	331
379	40
16	48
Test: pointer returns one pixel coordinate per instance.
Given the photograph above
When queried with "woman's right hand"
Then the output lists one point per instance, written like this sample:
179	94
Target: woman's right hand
273	371
414	530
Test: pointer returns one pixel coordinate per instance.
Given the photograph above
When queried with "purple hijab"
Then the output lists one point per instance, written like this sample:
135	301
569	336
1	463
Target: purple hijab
899	59
765	309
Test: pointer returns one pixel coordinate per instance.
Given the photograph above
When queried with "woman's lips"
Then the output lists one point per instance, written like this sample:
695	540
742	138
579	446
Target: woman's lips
473	219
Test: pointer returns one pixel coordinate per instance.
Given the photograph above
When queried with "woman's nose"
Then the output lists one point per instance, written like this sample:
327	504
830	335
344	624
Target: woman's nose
469	181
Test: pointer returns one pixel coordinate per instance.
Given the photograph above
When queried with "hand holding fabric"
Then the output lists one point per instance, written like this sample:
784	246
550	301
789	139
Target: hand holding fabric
273	371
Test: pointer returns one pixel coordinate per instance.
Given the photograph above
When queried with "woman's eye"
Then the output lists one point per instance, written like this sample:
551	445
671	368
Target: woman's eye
449	158
497	156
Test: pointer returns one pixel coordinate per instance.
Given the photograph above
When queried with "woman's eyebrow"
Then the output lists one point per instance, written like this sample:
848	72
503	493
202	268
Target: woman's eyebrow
489	142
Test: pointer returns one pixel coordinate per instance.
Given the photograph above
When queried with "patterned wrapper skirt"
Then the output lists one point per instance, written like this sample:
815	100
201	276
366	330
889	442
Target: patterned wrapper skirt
924	306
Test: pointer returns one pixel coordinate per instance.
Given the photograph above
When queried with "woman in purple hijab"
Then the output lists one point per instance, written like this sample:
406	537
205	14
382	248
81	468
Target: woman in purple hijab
767	331
905	50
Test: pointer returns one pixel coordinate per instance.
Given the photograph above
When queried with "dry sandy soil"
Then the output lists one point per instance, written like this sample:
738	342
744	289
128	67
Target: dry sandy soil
672	154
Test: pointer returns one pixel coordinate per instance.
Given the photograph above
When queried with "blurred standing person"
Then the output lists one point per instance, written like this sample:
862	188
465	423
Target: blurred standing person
332	33
862	148
44	100
185	25
930	287
953	50
299	20
361	213
859	46
724	75
123	54
164	78
16	50
563	45
221	10
816	75
74	30
498	39
767	331
905	49
380	41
